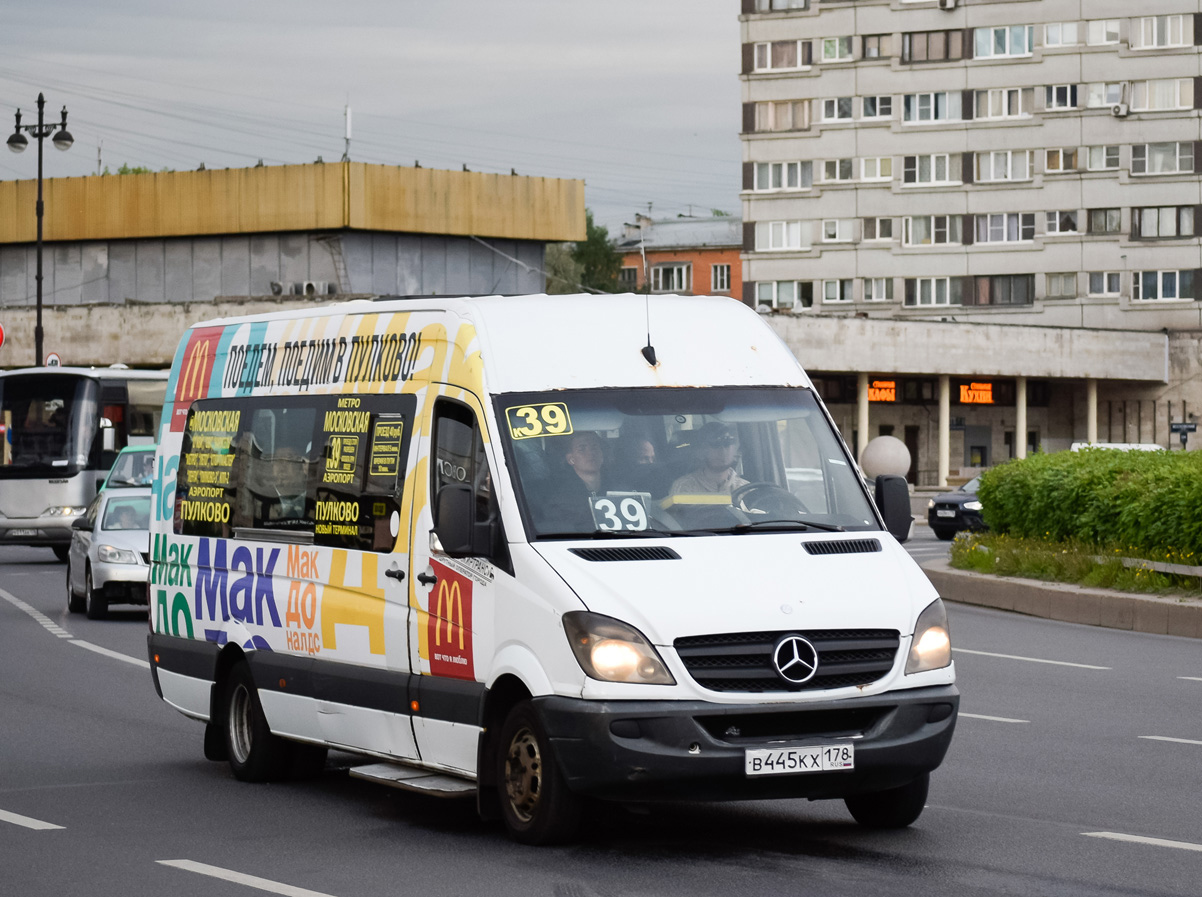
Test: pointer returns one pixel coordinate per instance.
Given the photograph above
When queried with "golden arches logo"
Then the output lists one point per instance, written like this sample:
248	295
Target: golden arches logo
454	602
195	371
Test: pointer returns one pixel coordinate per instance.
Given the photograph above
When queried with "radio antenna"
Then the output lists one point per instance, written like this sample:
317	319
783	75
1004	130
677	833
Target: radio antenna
648	350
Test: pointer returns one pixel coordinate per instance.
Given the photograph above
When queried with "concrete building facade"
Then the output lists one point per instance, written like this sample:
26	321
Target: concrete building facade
992	164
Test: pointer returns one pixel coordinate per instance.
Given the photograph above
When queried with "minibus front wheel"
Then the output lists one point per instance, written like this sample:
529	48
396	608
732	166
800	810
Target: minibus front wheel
255	754
895	808
535	801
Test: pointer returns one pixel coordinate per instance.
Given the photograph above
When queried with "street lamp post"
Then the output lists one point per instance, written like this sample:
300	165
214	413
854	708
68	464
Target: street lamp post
17	143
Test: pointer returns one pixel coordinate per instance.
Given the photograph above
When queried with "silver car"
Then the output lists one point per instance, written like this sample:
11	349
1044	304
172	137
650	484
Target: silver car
109	559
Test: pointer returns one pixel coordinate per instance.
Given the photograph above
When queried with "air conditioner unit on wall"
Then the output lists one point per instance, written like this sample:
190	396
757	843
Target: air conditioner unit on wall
1119	110
947	4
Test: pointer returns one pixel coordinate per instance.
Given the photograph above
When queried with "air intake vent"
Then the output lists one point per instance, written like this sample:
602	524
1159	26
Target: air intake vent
844	546
635	553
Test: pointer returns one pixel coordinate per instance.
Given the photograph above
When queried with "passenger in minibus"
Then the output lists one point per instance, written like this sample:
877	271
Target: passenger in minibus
717	448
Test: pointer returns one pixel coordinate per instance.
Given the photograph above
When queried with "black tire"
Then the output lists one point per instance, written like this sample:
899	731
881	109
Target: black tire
536	805
95	605
75	603
308	760
62	552
944	535
255	755
895	808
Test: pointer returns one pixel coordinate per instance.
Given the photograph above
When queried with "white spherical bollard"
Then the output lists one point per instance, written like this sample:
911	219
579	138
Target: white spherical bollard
885	455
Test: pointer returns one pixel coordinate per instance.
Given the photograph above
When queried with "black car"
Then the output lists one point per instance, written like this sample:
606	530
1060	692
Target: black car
952	512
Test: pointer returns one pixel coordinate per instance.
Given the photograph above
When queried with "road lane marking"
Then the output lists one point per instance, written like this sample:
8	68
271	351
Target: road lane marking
1140	839
1059	663
27	821
1191	678
1166	738
251	881
116	655
993	719
46	623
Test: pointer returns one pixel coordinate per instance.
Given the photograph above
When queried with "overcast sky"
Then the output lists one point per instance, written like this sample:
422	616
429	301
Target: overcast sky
639	98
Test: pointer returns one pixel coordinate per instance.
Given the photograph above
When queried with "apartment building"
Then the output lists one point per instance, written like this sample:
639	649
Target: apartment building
984	163
697	256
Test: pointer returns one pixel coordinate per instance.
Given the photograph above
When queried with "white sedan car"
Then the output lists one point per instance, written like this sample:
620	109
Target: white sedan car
109	559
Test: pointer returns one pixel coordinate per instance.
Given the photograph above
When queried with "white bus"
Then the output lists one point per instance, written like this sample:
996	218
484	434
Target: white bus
60	429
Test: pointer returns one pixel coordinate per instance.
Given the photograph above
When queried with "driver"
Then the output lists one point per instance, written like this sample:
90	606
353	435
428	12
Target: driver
718	446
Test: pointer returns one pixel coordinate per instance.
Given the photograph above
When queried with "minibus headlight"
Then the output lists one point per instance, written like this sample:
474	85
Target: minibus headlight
931	648
110	555
609	650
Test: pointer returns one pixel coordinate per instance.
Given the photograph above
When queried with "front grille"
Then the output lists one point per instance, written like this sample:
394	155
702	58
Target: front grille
843	546
742	661
737	728
146	557
635	553
946	506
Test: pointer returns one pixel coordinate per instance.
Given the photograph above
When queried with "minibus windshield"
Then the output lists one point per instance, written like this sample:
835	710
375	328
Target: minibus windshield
614	463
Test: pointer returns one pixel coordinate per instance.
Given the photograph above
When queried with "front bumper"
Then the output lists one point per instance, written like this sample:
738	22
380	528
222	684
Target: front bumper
35	530
121	583
694	750
970	520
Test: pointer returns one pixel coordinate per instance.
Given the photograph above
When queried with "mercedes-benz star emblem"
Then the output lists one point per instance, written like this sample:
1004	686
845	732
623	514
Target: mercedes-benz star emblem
795	659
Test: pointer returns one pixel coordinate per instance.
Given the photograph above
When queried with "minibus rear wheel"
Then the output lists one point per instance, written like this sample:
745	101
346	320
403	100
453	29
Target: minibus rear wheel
895	808
535	801
255	754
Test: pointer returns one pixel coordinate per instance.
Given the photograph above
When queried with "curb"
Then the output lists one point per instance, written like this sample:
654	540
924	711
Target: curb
1067	602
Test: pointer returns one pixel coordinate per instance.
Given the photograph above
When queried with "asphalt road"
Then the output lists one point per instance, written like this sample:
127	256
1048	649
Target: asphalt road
1076	770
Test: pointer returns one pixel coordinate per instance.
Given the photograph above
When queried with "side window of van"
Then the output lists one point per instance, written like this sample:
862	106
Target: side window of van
324	470
459	458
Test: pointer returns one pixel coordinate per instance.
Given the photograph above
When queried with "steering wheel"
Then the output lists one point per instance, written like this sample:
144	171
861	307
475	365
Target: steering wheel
767	497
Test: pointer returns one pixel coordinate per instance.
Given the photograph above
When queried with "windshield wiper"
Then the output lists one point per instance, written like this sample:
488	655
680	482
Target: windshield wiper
782	526
618	534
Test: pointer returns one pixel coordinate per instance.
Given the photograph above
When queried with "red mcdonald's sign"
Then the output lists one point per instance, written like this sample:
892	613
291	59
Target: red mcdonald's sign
449	632
195	372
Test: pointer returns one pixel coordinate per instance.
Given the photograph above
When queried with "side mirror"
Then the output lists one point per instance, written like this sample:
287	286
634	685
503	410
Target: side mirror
455	523
108	435
81	523
893	501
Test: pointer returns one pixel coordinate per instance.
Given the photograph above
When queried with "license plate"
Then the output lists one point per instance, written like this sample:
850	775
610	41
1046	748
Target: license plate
945	513
791	761
17	533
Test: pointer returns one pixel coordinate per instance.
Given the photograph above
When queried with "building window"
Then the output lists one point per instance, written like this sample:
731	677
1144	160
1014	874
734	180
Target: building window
932	46
782	55
1058	161
878	289
1162	158
1153	32
788	294
774	5
1102	158
1012	227
876	169
877	107
921	291
1151	286
1060	34
836	49
1105	221
836	109
934	169
1061	286
878	228
1104	283
878	46
1062	222
837	169
786	115
932	230
836	290
1102	31
837	230
1163	93
1162	222
628	277
779	236
1103	93
1004	102
927	107
1003	289
1005	165
720	278
1060	96
783	175
1012	40
673	278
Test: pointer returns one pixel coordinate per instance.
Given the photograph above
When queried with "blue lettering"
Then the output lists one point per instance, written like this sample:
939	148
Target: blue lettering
211	580
264	591
242	590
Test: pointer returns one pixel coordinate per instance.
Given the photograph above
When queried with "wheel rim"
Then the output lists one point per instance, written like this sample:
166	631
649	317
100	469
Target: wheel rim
524	774
240	724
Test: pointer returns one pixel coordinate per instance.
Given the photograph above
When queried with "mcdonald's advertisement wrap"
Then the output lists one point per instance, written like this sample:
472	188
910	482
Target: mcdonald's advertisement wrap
445	534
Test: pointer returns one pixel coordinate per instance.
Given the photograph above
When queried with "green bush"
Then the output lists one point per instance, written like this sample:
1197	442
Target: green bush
1145	503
